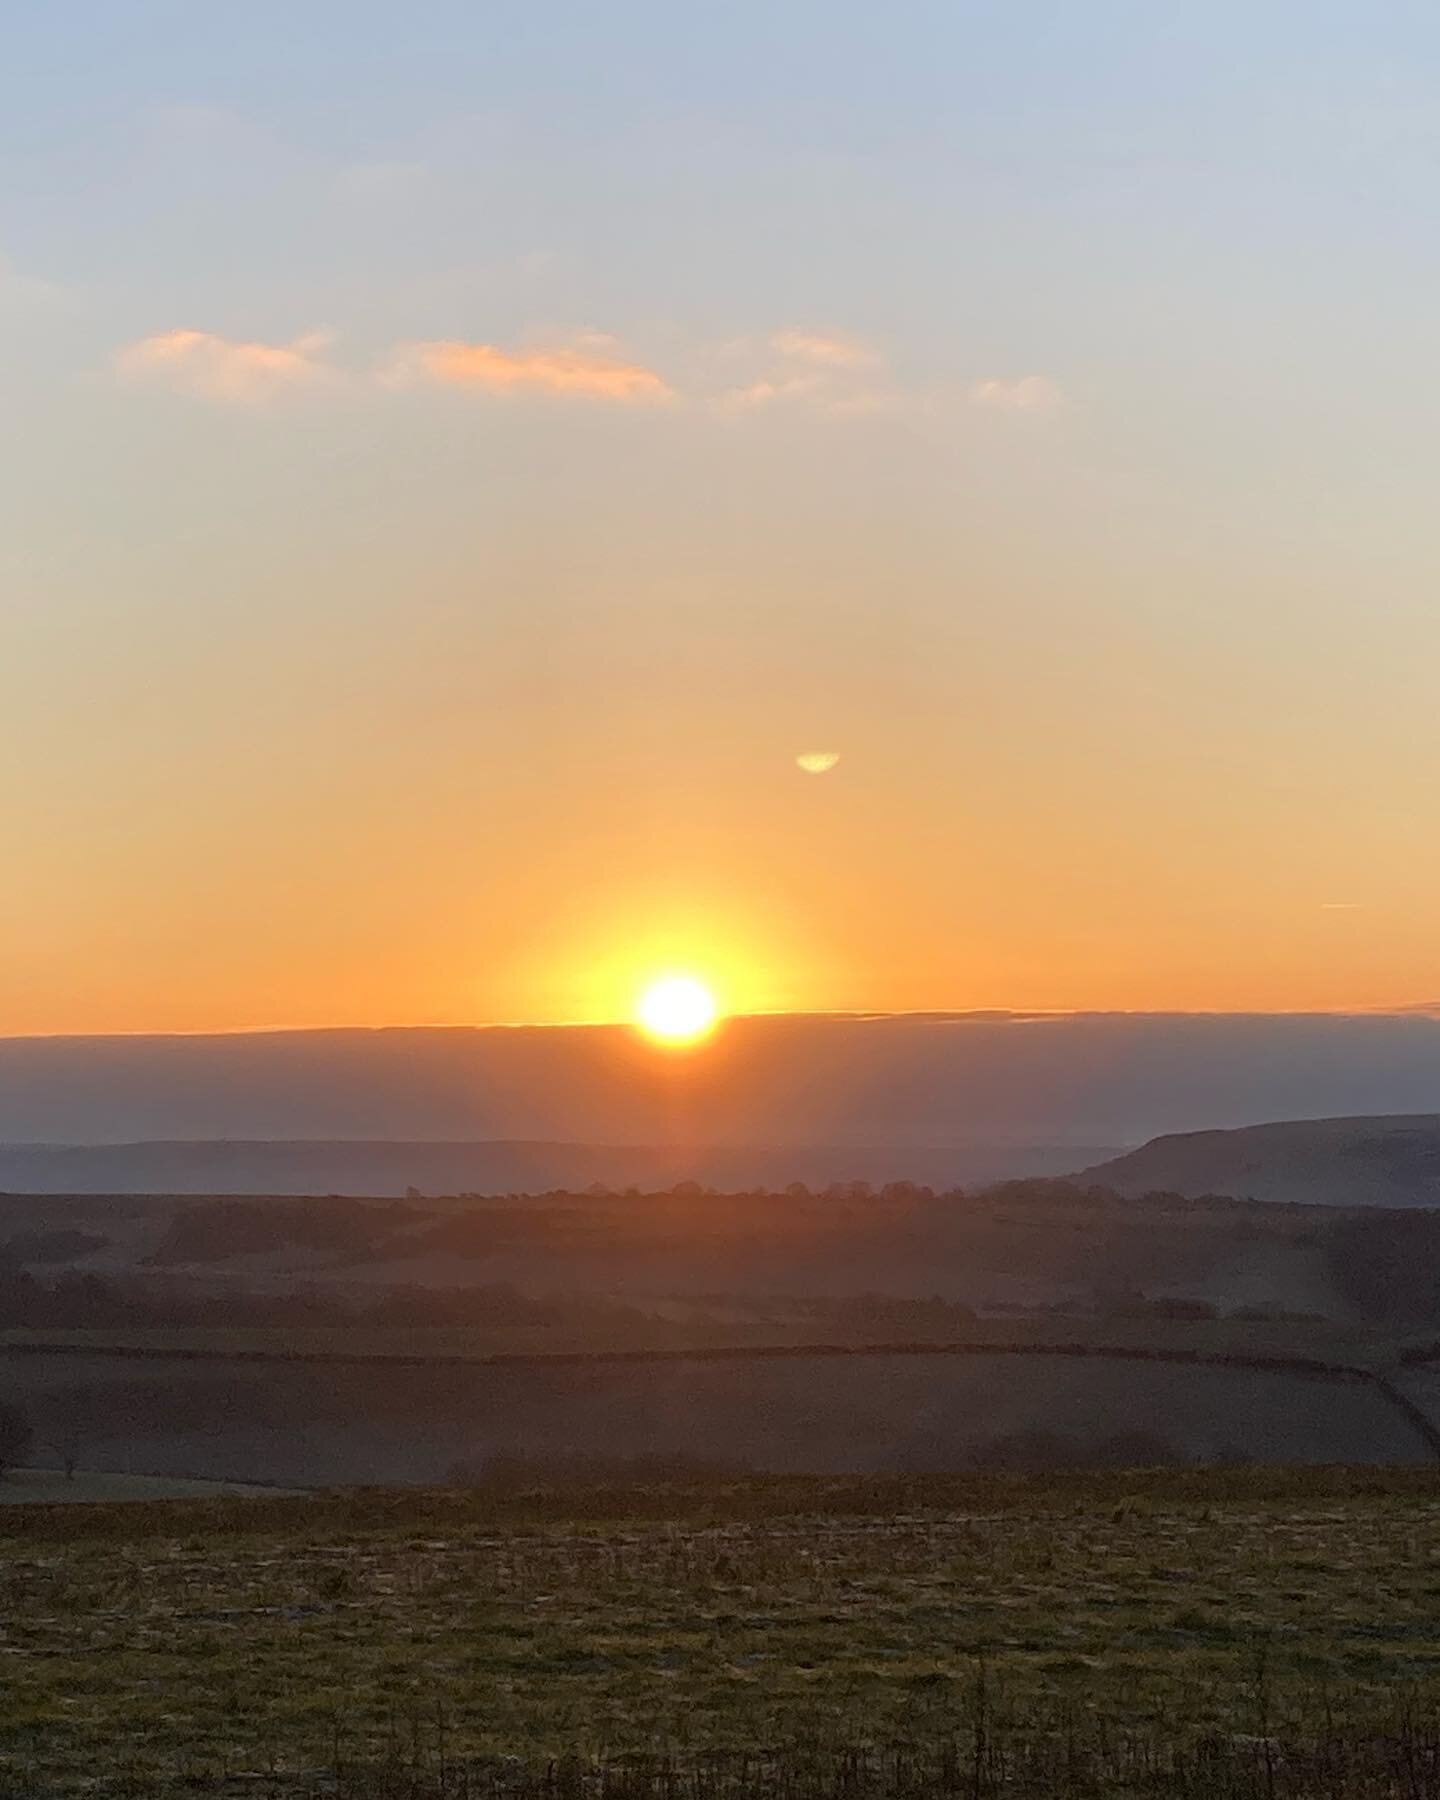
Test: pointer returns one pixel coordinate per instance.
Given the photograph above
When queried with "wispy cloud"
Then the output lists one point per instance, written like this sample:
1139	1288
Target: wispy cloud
766	392
1029	393
826	374
829	372
226	370
827	349
589	369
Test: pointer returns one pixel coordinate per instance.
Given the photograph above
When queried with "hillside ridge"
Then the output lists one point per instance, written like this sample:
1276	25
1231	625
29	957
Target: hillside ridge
1387	1159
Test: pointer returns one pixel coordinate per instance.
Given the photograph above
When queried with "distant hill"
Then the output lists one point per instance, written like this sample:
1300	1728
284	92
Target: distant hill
384	1168
1385	1161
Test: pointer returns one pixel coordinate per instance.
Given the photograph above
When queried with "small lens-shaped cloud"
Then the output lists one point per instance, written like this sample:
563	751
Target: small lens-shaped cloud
817	762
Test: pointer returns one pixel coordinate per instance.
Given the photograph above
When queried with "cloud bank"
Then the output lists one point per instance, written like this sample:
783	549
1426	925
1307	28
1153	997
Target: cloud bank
824	372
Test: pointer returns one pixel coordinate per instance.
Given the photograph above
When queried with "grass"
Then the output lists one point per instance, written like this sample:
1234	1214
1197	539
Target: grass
1068	1762
211	1646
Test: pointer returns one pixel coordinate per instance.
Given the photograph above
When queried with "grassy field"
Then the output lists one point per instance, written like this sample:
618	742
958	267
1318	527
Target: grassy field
252	1645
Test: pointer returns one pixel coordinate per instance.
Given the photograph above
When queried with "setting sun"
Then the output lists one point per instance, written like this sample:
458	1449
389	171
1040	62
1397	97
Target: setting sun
678	1010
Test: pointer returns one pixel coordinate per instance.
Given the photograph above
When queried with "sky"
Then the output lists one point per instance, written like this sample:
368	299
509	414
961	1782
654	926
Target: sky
455	459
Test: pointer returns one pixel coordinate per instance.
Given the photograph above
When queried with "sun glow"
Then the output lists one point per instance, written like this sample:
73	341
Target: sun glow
678	1010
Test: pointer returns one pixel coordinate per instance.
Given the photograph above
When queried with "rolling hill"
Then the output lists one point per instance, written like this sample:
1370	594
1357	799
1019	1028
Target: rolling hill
1384	1161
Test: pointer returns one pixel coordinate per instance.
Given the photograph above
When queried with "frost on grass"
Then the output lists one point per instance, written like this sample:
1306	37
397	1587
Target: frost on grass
215	1655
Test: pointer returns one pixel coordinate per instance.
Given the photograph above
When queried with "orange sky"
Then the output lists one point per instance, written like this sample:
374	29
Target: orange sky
391	805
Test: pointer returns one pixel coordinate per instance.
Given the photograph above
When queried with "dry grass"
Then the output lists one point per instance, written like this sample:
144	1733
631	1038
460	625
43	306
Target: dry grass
1144	1623
988	1758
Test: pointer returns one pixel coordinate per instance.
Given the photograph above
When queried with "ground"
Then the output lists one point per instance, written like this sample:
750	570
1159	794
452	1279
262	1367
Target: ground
175	1645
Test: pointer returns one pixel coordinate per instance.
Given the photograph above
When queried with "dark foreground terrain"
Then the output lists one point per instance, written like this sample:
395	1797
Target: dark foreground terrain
1219	1632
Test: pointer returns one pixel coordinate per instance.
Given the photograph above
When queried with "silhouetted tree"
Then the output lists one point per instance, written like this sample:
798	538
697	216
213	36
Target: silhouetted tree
66	1443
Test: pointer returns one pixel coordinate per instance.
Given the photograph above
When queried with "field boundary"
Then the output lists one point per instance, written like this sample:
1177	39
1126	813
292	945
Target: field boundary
1302	1367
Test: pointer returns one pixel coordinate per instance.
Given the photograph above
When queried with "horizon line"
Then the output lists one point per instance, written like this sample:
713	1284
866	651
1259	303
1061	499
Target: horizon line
1423	1009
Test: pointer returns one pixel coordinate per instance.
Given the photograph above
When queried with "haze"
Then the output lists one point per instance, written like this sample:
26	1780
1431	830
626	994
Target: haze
890	1085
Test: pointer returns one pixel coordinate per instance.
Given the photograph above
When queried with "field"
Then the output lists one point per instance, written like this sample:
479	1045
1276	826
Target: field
259	1645
340	1424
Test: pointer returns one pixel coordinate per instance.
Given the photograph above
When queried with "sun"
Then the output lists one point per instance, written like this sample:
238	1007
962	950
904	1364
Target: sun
677	1010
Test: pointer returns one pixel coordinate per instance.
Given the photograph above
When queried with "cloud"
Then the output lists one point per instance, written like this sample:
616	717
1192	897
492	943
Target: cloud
223	369
1030	393
828	372
766	393
818	394
831	350
817	762
829	375
587	369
